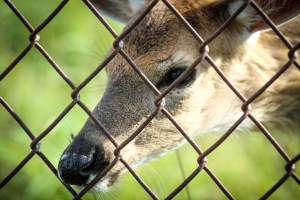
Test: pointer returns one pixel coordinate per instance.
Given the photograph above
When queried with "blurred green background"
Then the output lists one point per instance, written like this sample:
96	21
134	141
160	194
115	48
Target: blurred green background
246	163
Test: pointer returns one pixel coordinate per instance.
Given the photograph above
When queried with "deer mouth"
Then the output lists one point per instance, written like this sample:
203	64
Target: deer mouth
106	183
103	185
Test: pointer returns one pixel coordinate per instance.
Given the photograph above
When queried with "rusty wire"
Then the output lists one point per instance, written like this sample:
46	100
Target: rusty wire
34	39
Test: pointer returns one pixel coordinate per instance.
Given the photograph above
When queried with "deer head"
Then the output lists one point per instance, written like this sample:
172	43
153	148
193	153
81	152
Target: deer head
163	49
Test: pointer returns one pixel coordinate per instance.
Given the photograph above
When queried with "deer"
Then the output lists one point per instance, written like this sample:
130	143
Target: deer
161	46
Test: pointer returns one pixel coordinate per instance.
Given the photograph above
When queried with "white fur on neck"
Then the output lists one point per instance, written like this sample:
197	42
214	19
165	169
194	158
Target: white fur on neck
252	40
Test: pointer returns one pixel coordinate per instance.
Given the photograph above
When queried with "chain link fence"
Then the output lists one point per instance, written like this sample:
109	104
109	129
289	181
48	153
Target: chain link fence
34	42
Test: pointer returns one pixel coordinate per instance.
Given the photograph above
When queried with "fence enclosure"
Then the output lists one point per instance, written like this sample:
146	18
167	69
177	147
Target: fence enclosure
34	42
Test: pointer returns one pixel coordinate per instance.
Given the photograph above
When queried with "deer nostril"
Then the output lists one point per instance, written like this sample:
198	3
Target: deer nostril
88	166
74	169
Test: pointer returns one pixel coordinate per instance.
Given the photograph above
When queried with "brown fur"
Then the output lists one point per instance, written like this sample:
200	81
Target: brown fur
161	43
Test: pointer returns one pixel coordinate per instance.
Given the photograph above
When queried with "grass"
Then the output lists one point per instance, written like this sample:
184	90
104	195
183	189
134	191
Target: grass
247	164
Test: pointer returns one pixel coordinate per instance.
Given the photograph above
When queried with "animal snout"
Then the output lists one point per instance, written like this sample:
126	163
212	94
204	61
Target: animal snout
77	168
74	168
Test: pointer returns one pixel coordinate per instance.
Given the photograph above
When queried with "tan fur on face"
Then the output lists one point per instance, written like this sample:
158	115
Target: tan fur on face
160	43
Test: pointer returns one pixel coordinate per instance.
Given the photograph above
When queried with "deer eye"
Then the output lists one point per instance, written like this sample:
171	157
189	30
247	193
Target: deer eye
173	74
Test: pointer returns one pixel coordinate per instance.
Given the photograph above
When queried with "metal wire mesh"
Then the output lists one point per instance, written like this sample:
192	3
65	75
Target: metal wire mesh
118	50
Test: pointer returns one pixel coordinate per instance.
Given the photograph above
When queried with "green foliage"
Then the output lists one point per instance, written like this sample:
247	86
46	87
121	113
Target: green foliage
247	164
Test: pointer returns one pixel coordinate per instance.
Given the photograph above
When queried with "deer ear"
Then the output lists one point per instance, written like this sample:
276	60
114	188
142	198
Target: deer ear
280	11
121	10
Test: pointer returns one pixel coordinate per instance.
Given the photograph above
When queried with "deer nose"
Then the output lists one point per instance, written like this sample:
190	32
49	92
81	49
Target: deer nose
75	169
